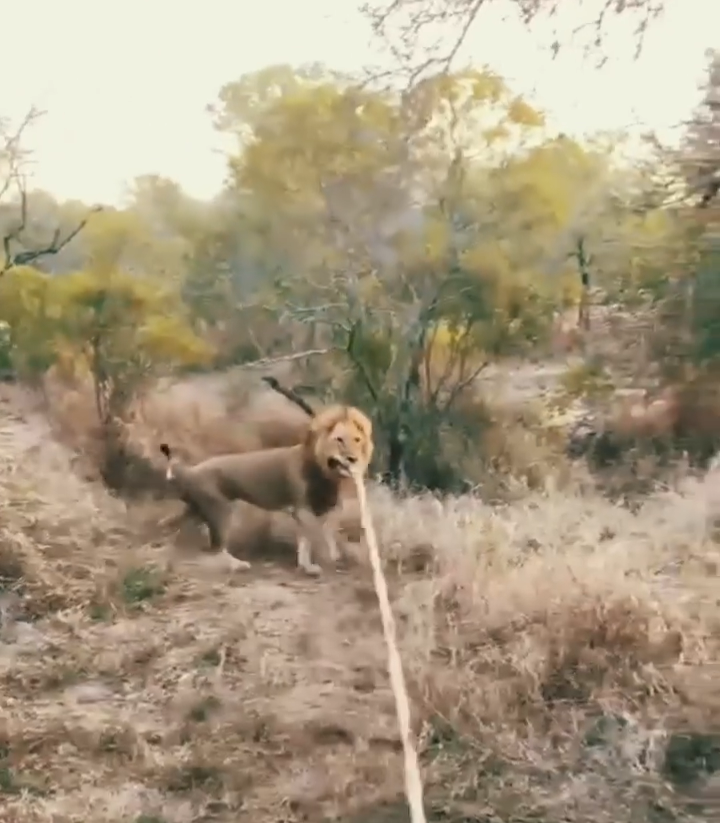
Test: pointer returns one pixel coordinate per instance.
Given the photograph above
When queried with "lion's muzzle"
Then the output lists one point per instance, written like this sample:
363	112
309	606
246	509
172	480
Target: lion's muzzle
342	465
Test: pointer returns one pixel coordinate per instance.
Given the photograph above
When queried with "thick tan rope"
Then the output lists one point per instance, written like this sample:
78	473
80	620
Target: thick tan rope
413	781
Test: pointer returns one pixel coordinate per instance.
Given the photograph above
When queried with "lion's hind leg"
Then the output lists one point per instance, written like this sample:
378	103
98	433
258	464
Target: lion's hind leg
216	513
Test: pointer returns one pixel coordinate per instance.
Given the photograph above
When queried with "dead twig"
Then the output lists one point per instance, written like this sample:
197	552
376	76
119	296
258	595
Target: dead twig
289	394
13	157
285	358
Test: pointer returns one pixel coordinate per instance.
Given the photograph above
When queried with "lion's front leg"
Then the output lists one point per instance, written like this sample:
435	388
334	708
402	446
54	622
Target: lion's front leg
303	558
308	532
332	544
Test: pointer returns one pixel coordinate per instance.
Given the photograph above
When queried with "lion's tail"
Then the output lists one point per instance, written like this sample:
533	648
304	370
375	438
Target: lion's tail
172	467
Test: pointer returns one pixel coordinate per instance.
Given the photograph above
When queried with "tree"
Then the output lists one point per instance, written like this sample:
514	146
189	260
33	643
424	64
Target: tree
689	339
115	327
273	213
13	161
700	154
124	330
425	36
123	239
26	310
120	331
379	202
424	234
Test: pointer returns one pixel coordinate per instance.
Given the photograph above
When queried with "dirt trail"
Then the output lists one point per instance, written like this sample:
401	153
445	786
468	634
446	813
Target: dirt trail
171	696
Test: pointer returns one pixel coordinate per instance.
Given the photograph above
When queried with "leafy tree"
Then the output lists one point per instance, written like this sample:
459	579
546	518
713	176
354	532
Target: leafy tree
262	230
123	239
701	165
686	340
379	201
120	331
700	154
28	312
343	146
123	330
116	328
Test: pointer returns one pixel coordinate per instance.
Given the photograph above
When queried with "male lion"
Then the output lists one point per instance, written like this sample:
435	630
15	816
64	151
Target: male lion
307	479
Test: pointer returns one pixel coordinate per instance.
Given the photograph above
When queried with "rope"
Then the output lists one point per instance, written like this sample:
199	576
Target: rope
413	781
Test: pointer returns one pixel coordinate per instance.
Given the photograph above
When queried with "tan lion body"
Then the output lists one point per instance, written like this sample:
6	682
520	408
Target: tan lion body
308	479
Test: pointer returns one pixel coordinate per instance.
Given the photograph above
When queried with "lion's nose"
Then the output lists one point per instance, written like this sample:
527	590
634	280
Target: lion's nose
351	459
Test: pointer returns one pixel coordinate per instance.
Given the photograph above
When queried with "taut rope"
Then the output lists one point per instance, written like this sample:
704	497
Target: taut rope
413	781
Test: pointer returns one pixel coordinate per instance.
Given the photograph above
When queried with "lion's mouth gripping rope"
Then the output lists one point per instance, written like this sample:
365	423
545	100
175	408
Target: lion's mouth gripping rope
413	781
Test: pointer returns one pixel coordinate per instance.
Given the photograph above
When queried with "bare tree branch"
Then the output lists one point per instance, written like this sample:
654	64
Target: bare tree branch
285	358
289	394
463	384
425	36
713	187
359	365
14	157
27	256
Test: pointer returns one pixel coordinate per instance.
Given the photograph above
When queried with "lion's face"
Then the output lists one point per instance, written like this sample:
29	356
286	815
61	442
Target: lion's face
341	440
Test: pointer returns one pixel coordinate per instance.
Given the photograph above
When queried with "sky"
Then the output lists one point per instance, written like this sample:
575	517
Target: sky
125	84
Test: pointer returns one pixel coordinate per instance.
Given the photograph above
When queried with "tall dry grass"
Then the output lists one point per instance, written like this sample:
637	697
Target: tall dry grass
201	417
560	646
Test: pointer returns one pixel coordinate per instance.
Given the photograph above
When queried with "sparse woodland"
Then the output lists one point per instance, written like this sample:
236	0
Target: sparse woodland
533	324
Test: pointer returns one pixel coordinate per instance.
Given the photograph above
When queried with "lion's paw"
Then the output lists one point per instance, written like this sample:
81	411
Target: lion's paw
312	569
235	565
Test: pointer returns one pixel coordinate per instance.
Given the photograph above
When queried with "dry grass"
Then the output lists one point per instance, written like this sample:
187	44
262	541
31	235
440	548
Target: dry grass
556	648
203	416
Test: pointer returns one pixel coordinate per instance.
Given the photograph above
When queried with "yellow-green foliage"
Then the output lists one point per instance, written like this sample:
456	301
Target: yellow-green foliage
109	324
124	328
26	307
122	240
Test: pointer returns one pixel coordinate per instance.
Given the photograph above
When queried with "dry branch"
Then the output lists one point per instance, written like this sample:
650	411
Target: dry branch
289	394
285	358
14	157
424	37
25	257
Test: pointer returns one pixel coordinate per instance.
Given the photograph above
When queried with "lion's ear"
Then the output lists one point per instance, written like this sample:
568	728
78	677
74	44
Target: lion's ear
363	423
325	420
367	427
318	424
370	449
310	435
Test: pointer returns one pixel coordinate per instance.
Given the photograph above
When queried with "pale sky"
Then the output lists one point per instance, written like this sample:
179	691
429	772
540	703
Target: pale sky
125	84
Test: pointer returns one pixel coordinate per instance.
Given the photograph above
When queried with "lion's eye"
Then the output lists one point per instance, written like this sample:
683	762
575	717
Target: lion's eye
339	439
358	439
